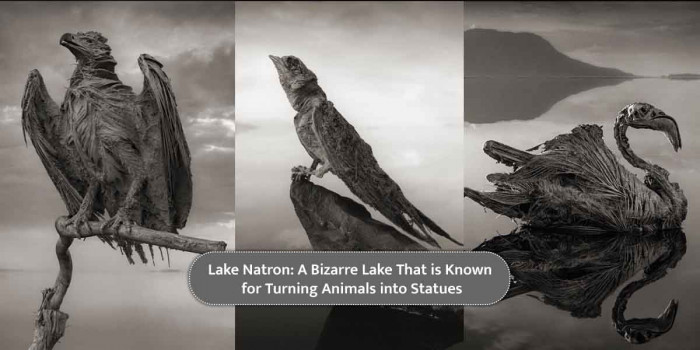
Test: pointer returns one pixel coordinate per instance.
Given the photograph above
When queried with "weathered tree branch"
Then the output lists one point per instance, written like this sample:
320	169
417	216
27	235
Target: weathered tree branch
142	235
50	323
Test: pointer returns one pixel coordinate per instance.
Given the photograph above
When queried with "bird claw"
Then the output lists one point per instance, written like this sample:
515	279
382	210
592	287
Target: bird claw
117	221
80	221
301	173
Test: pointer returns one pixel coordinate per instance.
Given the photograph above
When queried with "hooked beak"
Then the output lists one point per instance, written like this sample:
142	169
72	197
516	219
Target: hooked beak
664	123
644	330
67	40
669	127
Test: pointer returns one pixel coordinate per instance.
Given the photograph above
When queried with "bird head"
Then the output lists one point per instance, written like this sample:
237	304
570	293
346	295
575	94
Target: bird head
640	115
293	74
87	47
640	331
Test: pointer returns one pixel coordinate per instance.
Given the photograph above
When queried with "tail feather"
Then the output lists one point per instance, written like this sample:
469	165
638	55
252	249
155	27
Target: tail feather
505	154
415	223
500	202
436	229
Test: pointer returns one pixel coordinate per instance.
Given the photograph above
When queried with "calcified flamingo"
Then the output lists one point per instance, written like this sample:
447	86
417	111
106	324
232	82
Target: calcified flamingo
578	182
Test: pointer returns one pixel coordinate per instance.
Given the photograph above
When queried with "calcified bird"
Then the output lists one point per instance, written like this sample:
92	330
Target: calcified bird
335	145
109	152
578	182
577	272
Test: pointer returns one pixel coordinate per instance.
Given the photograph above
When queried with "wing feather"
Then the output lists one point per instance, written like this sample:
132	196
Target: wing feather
353	162
175	151
39	117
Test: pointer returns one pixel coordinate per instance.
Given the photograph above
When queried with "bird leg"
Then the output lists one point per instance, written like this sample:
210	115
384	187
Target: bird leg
123	217
135	167
301	173
325	167
80	219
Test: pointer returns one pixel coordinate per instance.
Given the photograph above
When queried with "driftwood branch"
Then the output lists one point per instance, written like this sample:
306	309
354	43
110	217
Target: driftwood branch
50	323
142	235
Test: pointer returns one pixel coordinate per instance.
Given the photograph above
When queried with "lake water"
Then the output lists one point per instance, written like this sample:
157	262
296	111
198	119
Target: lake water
111	304
526	323
132	310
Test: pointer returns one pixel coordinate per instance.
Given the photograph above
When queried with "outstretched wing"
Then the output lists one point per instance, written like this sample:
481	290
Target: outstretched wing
41	121
165	146
353	162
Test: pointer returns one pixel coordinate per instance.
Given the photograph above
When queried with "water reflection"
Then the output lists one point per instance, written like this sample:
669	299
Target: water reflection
375	327
493	99
576	272
334	222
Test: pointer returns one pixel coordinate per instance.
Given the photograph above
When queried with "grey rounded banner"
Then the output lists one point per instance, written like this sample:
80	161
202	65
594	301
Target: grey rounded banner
230	278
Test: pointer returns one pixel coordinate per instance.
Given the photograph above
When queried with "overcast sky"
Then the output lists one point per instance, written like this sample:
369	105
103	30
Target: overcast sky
394	70
195	42
644	38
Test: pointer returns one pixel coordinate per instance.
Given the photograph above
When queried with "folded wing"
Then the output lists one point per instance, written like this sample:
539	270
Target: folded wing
41	120
354	163
165	150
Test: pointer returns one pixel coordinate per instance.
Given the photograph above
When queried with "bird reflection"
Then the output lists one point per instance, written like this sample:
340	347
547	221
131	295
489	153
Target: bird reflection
577	272
334	222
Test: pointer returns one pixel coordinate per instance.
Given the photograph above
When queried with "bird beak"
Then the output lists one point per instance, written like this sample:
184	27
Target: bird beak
278	64
66	40
668	125
640	331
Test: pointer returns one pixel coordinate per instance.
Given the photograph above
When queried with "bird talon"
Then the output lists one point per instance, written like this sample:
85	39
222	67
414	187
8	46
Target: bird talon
301	173
80	222
117	221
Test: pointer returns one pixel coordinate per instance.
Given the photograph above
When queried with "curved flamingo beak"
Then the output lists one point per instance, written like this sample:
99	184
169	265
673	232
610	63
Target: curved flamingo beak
669	127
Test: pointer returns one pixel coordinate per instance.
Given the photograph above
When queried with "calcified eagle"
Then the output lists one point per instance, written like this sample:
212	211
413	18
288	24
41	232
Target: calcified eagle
111	153
577	181
335	145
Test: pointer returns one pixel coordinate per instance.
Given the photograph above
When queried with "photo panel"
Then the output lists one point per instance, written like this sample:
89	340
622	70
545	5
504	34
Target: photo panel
373	92
129	71
575	172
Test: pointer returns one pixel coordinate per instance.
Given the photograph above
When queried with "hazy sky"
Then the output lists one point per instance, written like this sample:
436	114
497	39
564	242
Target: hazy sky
392	69
195	43
644	38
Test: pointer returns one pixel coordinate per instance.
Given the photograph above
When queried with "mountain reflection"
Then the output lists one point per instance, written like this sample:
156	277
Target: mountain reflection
577	272
493	99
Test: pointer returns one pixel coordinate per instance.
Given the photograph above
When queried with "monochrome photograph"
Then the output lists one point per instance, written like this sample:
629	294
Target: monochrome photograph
580	161
348	137
117	151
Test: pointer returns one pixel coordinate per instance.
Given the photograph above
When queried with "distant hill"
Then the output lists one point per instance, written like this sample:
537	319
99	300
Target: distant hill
682	76
489	52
